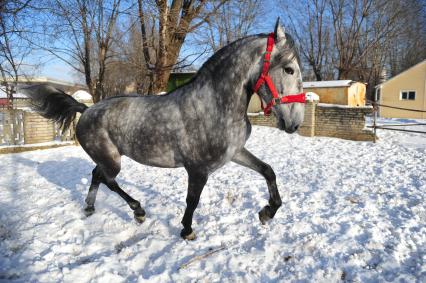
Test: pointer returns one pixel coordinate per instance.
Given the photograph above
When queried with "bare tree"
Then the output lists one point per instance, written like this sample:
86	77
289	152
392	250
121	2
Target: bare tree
355	39
409	46
361	27
310	24
13	50
235	19
130	49
170	22
80	33
118	77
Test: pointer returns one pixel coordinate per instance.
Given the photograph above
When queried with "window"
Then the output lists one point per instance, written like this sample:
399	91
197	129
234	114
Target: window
407	95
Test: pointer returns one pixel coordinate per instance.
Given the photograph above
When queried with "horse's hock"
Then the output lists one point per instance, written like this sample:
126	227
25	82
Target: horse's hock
328	120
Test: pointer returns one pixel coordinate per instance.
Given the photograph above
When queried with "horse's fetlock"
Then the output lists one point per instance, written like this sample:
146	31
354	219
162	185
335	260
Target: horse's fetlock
277	203
135	205
264	214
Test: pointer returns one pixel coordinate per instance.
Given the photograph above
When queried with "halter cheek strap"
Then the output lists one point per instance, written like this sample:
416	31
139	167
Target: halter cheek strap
264	78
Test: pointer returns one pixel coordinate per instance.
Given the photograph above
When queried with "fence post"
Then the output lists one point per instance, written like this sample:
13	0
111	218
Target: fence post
374	122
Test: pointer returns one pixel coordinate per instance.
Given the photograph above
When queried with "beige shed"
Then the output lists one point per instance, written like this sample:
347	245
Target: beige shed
342	92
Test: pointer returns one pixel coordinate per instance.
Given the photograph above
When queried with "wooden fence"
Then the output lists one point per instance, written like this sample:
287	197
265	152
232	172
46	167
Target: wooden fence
21	127
11	127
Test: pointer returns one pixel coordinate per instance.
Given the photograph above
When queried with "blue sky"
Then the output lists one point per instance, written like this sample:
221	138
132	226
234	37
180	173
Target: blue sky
57	69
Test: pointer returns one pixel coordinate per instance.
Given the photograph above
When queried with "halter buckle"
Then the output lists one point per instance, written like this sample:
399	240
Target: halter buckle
277	100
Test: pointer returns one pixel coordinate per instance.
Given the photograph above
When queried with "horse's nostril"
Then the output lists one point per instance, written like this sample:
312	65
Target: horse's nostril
296	127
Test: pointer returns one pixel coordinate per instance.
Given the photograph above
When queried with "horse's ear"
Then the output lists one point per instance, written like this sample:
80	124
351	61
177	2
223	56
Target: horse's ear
279	31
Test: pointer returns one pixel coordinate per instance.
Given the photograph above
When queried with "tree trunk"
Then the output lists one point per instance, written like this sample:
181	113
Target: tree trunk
166	67
174	23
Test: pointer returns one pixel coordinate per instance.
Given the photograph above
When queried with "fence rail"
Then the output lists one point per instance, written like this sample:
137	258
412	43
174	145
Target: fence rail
375	127
375	104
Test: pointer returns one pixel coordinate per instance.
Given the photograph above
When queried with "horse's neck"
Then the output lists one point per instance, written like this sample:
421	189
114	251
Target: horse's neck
228	78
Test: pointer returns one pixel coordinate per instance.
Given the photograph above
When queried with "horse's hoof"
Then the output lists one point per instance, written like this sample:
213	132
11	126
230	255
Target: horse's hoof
139	214
187	234
140	219
89	210
190	237
263	215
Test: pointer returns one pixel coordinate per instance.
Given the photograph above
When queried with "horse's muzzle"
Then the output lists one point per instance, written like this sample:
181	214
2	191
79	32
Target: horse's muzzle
289	129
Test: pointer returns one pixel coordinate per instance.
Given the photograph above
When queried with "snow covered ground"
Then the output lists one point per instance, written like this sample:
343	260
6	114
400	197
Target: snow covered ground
352	211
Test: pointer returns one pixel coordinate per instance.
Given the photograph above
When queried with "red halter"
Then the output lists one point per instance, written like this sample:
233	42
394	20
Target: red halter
265	78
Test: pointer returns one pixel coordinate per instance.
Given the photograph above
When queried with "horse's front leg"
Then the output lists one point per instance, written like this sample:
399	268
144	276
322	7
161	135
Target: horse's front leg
246	159
196	180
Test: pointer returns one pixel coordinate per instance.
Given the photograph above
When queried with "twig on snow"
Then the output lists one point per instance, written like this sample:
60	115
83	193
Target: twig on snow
202	256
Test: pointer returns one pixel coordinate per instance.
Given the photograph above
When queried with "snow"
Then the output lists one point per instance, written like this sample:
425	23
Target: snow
41	144
351	210
82	95
338	83
340	106
312	96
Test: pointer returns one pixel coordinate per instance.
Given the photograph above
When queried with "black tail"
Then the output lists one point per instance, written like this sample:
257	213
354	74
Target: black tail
54	104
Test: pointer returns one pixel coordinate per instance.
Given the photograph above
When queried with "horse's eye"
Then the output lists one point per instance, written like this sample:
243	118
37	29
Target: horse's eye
289	70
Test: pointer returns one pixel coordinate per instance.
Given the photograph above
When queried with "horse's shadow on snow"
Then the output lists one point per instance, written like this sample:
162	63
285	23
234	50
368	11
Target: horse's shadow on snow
73	175
67	174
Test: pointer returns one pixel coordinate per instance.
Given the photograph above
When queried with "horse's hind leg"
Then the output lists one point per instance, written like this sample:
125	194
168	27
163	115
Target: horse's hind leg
245	158
138	211
108	161
93	190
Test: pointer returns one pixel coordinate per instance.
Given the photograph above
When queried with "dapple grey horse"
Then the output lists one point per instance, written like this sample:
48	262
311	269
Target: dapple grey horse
200	126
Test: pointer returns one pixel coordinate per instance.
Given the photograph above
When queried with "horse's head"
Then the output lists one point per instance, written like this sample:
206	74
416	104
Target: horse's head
285	76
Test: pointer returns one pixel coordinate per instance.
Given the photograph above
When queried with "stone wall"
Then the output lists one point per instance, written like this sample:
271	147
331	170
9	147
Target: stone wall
262	120
343	122
328	120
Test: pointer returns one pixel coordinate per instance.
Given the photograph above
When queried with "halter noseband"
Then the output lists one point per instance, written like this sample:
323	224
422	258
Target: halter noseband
265	78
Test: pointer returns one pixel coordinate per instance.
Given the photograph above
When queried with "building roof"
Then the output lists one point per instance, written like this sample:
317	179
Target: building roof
82	95
15	95
338	83
41	80
409	69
